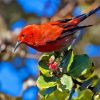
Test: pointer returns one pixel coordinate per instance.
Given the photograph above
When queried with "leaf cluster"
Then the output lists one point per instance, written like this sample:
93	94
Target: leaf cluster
75	75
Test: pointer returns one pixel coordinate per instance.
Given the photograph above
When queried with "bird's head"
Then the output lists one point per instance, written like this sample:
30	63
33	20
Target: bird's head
26	36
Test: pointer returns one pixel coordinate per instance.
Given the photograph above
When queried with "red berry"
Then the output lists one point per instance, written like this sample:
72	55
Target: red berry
53	66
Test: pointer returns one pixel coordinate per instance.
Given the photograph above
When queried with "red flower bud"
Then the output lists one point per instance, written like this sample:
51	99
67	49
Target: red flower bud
54	66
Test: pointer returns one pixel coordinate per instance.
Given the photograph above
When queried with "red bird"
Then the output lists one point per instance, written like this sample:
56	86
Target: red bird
52	36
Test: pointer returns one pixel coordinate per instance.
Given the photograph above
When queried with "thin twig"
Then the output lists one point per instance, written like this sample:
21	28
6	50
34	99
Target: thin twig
72	92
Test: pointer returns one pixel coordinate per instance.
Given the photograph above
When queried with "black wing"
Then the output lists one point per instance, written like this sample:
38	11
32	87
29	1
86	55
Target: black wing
73	30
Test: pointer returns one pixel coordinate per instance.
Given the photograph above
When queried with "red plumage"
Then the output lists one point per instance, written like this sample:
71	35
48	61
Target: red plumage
52	36
46	37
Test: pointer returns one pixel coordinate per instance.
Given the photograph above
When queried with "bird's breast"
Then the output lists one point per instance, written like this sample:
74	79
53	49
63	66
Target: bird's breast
54	45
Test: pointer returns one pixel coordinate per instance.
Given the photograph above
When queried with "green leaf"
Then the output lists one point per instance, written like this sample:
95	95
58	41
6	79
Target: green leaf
97	87
84	95
67	60
48	91
61	95
70	61
80	65
87	73
43	65
46	82
61	87
88	83
67	82
56	95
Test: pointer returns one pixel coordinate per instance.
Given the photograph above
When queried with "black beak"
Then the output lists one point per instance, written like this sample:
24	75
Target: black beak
17	45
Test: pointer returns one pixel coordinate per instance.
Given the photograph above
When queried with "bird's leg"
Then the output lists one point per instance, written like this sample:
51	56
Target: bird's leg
75	40
72	44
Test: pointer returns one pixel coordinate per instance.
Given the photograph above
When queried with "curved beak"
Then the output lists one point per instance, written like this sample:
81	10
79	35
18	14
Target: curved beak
17	45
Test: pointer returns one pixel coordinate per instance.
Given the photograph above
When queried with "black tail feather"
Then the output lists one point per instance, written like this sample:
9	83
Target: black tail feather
64	20
81	27
73	30
84	16
78	28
